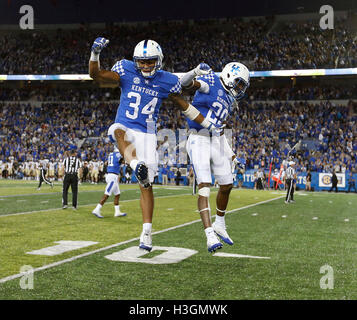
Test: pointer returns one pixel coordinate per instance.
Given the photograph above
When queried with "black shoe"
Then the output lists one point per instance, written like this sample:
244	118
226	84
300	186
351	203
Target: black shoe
141	173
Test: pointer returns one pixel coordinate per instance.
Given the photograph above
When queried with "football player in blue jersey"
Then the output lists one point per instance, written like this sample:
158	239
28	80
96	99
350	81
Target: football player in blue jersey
112	187
215	97
143	88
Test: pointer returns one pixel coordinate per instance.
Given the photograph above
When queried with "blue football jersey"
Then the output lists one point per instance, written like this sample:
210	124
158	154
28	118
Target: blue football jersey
215	105
141	97
113	162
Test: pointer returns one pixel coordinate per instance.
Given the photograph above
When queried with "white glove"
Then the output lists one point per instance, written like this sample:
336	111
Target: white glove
202	69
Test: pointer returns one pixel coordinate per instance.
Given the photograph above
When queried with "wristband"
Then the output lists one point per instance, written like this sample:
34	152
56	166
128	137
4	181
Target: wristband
205	123
94	56
191	112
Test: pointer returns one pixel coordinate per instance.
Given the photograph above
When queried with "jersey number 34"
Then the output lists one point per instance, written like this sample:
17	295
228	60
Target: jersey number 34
148	109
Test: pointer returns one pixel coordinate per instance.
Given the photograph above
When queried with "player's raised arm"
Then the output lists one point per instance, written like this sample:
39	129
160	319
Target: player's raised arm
189	82
94	66
191	112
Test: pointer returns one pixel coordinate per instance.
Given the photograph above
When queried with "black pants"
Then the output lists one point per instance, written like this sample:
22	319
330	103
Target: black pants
334	186
43	178
260	184
290	189
350	186
70	179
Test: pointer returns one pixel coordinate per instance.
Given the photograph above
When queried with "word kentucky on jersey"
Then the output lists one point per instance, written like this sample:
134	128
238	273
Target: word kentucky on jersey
142	97
144	90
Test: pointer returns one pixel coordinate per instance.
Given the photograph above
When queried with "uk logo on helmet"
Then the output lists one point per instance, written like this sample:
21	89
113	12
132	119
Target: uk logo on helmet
235	69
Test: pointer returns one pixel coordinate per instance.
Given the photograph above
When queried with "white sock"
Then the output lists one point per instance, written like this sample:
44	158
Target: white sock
133	164
209	231
117	209
99	206
220	220
147	227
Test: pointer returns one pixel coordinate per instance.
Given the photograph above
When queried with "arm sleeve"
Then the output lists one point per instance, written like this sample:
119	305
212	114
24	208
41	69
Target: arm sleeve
204	86
187	78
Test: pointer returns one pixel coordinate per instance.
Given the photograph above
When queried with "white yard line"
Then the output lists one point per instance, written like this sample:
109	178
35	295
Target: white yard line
85	205
125	242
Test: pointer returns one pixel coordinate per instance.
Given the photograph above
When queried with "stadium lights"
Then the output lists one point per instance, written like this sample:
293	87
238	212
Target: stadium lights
253	74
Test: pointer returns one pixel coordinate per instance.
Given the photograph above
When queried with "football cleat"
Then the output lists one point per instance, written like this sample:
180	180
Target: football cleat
65	207
119	214
145	241
222	233
142	174
97	214
213	243
287	202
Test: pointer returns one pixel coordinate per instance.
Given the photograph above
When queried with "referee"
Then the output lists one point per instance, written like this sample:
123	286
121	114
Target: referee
290	176
71	165
42	177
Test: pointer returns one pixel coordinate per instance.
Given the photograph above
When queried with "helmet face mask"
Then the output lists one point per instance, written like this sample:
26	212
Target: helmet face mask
148	57
235	79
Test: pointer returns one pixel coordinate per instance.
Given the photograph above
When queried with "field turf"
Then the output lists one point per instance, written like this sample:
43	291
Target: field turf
305	250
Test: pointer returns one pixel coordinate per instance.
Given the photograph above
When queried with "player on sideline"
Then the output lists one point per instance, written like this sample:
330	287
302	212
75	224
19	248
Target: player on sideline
112	187
215	98
143	87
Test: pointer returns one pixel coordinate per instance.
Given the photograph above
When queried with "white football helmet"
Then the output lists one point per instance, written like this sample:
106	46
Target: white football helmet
147	50
235	79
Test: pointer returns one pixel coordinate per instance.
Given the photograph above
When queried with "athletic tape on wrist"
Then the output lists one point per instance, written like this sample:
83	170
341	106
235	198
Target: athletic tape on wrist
94	56
205	123
191	112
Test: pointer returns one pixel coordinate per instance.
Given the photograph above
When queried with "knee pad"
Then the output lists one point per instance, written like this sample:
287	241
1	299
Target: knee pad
204	192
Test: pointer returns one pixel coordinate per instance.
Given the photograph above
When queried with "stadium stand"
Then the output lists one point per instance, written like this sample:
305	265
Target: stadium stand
39	121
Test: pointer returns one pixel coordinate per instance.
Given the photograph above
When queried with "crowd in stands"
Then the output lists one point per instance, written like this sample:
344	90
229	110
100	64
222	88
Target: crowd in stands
262	44
261	131
42	123
317	92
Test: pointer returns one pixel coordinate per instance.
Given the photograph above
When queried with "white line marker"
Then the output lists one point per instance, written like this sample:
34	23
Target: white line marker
55	264
234	255
85	205
63	246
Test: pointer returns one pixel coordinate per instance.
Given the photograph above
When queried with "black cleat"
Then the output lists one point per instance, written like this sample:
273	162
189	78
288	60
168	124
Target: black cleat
141	173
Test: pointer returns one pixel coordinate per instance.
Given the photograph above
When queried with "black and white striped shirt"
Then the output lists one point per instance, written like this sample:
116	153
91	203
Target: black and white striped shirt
290	173
71	164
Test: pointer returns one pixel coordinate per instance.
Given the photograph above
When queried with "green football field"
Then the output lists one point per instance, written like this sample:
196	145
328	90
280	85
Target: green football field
305	250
